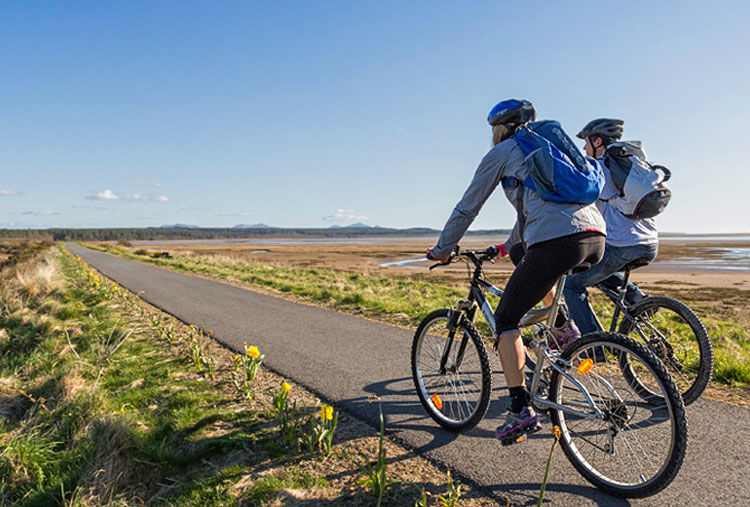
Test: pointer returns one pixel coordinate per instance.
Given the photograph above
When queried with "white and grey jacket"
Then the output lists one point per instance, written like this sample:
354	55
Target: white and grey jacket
541	221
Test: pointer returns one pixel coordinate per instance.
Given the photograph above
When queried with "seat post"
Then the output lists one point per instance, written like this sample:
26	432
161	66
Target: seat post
556	301
624	284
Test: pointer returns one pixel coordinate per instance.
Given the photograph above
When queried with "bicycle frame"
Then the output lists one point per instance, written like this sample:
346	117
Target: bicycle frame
621	307
544	354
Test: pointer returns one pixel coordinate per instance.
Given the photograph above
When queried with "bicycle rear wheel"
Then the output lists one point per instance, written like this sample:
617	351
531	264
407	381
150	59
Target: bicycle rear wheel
634	448
675	334
457	394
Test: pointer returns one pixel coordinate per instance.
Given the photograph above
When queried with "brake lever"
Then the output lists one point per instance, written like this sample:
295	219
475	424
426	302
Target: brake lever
446	263
486	257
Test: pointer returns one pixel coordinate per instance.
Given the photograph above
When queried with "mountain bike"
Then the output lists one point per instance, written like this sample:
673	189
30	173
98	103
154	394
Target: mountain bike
671	330
627	443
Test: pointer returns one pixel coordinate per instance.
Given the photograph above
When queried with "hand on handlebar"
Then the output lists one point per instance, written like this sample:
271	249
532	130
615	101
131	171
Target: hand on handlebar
441	262
495	250
433	258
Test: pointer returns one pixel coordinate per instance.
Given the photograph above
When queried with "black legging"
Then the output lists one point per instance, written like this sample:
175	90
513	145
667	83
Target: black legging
537	272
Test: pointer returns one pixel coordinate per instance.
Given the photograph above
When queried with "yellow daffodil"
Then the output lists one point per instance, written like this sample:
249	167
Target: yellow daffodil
326	412
286	387
253	351
556	432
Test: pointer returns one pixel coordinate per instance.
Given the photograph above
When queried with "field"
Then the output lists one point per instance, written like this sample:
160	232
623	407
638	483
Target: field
350	278
105	400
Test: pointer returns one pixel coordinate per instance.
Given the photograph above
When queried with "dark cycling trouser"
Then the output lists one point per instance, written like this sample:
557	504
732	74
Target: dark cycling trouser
538	271
606	272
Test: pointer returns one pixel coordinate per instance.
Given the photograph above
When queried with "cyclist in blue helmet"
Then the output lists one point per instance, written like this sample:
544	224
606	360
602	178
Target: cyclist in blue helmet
556	237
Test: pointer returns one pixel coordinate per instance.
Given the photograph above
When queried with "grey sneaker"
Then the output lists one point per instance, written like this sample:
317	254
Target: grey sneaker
564	335
518	424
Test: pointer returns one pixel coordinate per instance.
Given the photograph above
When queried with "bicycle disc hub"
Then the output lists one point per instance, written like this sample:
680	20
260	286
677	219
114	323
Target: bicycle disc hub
616	412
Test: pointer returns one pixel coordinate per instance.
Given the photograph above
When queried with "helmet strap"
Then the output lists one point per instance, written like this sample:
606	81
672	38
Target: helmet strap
602	146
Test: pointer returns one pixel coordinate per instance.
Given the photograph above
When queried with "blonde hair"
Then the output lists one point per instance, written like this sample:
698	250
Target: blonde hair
500	133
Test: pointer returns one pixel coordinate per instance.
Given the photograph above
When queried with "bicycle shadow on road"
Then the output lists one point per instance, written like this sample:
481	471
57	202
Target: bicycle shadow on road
529	493
403	412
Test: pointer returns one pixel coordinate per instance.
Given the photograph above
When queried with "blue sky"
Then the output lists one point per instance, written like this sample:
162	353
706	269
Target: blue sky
310	114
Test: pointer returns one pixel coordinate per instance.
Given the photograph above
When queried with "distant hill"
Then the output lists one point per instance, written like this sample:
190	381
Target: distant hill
180	226
358	225
253	226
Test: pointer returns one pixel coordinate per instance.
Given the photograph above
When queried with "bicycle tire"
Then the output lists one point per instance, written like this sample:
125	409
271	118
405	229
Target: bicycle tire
664	431
691	381
456	412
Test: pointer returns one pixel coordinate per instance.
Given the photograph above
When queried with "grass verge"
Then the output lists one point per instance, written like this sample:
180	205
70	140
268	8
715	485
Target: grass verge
103	402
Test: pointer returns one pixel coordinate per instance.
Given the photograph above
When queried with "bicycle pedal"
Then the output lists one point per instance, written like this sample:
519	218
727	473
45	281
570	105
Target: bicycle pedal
517	439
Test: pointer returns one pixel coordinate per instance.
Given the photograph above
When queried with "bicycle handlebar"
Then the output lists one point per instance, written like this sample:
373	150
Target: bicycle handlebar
476	256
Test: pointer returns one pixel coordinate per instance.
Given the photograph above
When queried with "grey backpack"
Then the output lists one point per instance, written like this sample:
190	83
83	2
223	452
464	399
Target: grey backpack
643	192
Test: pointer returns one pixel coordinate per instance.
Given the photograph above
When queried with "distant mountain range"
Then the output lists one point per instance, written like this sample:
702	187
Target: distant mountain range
358	225
253	226
180	226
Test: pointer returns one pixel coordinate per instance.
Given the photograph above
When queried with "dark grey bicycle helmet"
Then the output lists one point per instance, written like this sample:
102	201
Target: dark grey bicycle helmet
606	127
512	113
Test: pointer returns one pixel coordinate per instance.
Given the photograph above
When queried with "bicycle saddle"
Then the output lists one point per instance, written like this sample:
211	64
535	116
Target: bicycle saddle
580	268
638	263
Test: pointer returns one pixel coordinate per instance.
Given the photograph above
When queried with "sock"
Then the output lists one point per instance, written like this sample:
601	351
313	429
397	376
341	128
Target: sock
562	315
519	398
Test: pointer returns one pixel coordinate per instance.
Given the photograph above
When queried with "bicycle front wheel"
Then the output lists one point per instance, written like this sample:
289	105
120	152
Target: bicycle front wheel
451	371
618	441
675	334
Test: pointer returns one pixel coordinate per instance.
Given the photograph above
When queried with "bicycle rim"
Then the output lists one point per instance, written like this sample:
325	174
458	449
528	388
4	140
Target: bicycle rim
678	338
456	397
638	445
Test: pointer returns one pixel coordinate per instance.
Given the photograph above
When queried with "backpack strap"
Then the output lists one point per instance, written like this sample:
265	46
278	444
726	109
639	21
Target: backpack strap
511	182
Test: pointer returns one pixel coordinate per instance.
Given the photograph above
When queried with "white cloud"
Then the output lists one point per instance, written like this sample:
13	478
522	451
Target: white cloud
107	195
233	214
40	213
86	206
402	131
145	197
342	215
8	192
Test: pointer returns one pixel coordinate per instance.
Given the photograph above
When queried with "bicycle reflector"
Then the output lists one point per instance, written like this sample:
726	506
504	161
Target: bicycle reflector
585	366
437	402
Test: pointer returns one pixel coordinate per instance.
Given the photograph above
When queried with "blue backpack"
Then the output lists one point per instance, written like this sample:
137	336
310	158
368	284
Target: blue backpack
557	169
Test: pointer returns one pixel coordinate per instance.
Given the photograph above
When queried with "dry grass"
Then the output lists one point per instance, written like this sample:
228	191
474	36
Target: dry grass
115	472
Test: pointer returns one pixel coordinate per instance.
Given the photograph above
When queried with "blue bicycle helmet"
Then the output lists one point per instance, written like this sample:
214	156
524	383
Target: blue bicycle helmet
512	113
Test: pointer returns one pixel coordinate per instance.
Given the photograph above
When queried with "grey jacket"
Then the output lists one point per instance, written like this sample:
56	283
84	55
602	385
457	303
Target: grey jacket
543	220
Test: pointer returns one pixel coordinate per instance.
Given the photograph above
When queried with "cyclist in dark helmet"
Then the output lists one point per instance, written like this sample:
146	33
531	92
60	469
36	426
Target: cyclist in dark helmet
628	239
556	237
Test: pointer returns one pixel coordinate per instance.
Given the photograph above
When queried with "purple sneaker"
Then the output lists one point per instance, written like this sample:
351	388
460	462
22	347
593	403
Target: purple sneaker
564	335
525	421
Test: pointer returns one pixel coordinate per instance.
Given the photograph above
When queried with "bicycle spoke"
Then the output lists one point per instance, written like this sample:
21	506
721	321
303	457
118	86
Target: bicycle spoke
632	442
459	390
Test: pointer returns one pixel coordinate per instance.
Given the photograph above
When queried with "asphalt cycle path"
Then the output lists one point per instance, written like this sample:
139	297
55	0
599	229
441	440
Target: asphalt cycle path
346	359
